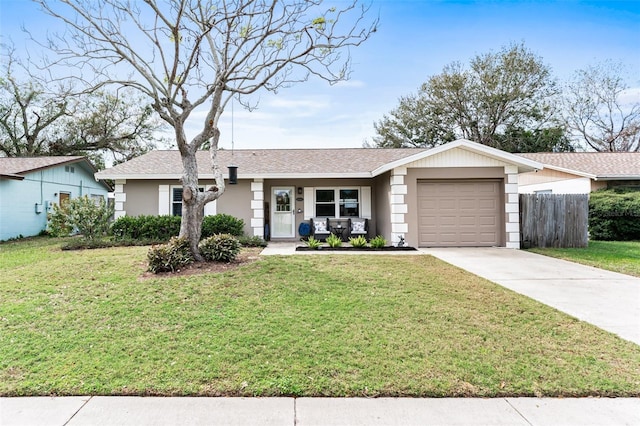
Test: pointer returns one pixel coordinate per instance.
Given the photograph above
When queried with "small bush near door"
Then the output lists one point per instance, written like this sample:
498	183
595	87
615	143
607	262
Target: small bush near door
614	214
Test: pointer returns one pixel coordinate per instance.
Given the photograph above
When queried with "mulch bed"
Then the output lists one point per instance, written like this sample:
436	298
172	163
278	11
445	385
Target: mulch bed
349	248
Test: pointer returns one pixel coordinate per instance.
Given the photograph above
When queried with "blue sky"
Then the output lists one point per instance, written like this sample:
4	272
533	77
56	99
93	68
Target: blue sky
415	40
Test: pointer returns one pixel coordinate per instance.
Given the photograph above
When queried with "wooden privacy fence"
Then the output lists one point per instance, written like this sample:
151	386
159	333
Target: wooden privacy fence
554	220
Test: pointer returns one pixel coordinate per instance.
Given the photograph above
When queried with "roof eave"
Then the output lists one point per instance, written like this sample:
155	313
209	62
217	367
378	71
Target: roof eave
208	176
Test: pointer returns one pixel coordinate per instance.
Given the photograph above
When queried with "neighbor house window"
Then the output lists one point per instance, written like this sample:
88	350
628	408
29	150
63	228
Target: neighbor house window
337	202
96	198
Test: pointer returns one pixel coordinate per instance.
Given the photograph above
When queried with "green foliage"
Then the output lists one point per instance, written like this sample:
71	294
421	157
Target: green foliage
254	241
220	248
222	224
614	214
313	243
83	214
378	242
169	257
334	241
58	221
358	242
154	228
461	102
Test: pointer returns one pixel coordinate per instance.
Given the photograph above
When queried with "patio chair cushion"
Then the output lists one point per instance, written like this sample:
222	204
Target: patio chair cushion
320	226
358	226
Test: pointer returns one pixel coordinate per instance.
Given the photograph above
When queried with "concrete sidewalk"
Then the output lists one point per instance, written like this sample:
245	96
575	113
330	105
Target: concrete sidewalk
605	299
142	411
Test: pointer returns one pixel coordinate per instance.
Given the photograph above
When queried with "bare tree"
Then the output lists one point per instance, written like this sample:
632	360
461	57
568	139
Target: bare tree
184	54
596	111
27	111
38	117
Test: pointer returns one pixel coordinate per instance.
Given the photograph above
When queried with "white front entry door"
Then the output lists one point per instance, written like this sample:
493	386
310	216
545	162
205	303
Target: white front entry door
282	212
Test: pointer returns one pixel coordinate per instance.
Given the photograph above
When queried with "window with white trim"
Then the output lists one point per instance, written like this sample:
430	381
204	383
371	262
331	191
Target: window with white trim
337	202
176	199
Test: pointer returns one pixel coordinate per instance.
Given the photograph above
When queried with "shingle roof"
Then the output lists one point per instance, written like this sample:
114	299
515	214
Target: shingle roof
601	164
342	161
16	166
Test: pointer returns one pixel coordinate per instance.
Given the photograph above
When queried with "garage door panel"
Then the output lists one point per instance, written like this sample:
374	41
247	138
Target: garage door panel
459	213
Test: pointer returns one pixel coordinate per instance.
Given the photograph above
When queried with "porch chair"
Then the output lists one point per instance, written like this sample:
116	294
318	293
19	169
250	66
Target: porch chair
358	226
320	228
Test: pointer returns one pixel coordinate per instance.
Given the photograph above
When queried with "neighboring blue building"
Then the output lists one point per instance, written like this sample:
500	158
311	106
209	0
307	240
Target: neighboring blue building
30	185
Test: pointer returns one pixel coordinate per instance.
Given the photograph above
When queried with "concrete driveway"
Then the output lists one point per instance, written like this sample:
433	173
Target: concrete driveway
606	299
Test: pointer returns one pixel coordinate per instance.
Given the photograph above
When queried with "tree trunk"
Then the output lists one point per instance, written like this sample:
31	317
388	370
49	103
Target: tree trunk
192	205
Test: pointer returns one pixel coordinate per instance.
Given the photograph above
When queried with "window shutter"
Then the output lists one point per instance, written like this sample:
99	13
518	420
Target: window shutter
164	200
309	209
211	208
365	202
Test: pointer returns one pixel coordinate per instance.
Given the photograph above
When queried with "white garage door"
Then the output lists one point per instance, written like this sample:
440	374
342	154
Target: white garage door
465	213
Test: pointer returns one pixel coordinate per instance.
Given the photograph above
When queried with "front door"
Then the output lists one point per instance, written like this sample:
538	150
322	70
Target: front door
282	213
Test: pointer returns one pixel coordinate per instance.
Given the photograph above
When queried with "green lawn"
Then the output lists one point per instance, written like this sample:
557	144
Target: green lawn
617	256
88	323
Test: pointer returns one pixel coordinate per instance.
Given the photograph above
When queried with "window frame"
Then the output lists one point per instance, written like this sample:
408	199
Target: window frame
337	201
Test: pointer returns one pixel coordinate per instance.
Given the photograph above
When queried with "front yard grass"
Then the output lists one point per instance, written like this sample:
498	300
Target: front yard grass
617	256
88	322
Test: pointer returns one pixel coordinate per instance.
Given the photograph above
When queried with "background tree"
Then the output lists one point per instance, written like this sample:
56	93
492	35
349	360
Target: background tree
27	111
183	54
595	109
108	126
510	89
413	124
38	119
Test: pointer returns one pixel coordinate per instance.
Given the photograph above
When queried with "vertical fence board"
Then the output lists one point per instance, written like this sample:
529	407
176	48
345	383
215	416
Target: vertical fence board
554	220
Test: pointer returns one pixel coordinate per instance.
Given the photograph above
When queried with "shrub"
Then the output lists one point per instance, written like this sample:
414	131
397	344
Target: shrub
252	241
614	214
313	243
220	248
334	241
222	224
83	214
151	228
358	242
169	257
378	242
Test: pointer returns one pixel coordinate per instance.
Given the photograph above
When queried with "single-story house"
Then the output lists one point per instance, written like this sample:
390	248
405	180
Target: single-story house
30	185
458	194
580	172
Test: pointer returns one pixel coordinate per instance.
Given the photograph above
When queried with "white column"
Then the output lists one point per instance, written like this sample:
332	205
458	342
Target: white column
511	208
257	208
120	198
399	209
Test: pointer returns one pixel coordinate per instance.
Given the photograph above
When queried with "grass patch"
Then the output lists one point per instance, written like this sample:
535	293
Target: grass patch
617	256
86	323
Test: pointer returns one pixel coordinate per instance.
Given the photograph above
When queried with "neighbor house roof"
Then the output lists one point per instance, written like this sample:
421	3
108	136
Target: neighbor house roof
595	165
296	163
16	167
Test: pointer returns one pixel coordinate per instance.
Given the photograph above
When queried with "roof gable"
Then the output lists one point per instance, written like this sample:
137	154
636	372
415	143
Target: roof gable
464	145
21	165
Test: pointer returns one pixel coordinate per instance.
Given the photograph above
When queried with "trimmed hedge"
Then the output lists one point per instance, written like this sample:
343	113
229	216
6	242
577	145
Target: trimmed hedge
154	228
222	224
162	228
614	214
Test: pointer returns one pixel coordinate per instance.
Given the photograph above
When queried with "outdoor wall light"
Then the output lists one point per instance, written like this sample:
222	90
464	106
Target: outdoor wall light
233	174
299	190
